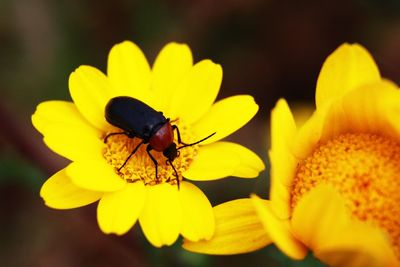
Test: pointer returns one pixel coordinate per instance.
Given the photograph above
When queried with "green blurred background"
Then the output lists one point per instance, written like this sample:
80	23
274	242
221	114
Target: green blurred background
269	49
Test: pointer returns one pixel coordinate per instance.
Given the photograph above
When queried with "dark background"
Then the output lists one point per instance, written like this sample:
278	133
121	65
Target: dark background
269	49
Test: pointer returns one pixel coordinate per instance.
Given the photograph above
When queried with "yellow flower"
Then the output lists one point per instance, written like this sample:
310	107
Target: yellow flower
184	93
334	180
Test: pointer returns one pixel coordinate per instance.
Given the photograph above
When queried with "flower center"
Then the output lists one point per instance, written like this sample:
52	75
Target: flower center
365	169
140	166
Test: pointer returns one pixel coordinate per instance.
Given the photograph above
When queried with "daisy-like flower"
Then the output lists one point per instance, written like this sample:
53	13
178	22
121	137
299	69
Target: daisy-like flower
185	93
334	180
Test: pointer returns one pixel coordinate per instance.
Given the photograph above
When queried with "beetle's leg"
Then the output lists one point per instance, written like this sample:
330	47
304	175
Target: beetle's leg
130	155
174	127
111	134
148	148
176	173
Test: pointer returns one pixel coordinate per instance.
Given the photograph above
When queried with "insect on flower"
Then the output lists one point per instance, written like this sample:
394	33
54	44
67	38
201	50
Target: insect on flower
140	120
114	135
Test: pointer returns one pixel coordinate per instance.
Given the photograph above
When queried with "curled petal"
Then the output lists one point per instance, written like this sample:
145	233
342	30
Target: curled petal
347	68
365	115
346	115
279	230
358	245
238	230
283	162
322	222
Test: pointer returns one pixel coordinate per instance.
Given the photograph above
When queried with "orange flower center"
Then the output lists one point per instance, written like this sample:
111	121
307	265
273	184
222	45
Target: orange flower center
140	166
365	169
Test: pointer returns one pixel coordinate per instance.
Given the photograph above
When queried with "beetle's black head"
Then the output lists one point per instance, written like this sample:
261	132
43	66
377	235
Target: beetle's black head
171	152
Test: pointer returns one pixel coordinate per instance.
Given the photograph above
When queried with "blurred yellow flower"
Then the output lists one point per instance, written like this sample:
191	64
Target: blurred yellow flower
334	180
183	92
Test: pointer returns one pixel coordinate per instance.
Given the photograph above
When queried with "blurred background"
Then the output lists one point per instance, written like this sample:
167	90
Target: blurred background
267	48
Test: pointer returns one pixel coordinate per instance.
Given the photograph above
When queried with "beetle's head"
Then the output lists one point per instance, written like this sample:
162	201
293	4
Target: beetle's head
171	152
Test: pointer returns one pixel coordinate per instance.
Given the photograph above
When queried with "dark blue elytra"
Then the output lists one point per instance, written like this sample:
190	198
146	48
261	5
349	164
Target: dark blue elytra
134	117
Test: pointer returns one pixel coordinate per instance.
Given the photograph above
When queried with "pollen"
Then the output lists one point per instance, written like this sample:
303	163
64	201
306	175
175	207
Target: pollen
140	167
365	169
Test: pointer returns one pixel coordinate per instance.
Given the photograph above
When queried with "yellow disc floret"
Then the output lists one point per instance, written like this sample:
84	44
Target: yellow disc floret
365	169
140	167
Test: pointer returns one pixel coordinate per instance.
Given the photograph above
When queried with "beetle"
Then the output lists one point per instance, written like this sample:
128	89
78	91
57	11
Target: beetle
137	119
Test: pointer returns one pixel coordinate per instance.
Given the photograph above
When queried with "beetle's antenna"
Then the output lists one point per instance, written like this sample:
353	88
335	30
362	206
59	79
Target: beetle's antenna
195	143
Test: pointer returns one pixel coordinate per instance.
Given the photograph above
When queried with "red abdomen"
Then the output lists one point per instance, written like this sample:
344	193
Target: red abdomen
163	138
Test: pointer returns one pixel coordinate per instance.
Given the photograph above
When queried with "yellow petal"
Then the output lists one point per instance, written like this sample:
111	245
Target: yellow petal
95	175
355	112
283	162
51	113
358	245
171	65
58	192
90	90
322	222
73	144
347	68
197	214
118	211
238	230
224	117
279	230
197	91
129	72
65	131
318	215
222	159
310	133
161	216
